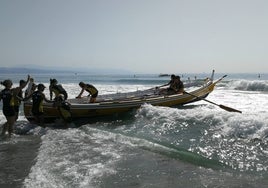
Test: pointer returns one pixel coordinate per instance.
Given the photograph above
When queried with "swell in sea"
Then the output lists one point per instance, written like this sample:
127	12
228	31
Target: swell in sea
196	145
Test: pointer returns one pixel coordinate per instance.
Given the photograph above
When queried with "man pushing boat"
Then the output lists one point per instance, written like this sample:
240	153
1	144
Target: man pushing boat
93	92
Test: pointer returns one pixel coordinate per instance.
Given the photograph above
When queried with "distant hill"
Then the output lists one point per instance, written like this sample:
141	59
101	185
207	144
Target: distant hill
26	70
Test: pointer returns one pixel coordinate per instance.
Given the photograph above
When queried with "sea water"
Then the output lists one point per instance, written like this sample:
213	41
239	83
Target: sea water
195	145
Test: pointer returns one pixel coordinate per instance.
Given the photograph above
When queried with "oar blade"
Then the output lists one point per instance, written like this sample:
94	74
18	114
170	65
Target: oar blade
229	109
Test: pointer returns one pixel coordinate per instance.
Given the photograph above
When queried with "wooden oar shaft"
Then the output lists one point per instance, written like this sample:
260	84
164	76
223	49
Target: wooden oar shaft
229	109
206	100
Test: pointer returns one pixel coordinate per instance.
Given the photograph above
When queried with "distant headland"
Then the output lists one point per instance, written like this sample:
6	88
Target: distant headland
43	70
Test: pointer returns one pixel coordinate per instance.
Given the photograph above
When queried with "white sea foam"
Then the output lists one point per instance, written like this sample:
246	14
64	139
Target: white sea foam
73	158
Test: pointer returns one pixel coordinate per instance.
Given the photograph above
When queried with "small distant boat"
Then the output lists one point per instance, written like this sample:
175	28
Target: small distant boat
111	104
163	75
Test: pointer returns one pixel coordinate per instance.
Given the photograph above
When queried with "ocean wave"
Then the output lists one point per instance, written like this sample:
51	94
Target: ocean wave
248	85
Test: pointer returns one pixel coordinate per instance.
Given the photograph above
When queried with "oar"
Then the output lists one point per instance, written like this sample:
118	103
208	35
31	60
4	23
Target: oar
229	109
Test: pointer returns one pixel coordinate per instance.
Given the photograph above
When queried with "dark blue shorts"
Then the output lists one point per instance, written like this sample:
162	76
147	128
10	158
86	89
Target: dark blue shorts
9	111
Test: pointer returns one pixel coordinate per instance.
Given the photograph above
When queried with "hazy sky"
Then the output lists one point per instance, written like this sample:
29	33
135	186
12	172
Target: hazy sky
143	36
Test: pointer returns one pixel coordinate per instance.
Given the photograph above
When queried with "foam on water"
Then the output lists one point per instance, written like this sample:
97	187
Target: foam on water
82	157
85	162
73	158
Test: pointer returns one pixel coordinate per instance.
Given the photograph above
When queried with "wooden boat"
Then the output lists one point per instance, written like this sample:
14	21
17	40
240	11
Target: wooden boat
163	75
112	104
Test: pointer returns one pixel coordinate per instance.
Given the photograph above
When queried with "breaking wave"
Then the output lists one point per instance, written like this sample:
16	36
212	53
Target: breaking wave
247	85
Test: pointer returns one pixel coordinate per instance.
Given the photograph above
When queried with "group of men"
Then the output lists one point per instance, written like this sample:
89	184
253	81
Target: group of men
12	98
